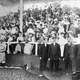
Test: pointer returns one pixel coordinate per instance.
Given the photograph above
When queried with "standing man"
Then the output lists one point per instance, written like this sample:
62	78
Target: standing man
43	53
54	54
77	54
67	55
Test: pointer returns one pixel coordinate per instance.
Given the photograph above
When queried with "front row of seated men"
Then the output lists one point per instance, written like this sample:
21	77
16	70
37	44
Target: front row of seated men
52	53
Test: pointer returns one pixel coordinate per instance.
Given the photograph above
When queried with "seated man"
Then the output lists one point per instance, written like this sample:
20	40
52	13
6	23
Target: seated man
28	48
20	46
17	49
12	46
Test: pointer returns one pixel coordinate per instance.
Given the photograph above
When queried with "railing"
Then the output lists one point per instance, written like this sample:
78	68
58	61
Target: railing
36	45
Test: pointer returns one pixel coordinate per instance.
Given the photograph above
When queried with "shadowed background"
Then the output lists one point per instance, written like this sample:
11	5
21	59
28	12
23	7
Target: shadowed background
7	6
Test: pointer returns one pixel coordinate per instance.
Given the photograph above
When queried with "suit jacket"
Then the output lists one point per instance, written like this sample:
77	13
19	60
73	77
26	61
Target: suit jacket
77	57
77	51
44	51
54	51
67	51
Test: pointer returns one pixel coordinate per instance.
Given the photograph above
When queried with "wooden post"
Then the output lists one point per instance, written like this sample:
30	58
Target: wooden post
21	15
36	49
8	48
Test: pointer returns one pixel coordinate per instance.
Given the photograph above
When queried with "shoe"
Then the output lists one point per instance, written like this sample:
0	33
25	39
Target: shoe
73	73
40	75
67	74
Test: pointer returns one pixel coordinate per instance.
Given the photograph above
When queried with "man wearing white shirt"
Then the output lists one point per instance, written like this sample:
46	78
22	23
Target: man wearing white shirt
77	55
62	41
20	46
28	47
65	24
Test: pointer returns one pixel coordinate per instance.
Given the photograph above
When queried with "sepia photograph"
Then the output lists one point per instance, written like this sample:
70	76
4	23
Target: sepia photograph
39	39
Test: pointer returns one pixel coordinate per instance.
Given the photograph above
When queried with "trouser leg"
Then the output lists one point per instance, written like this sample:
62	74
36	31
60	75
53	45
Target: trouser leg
56	65
42	64
51	65
68	65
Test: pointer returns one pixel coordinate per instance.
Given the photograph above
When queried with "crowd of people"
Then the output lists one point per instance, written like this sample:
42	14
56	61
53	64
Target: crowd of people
54	26
40	22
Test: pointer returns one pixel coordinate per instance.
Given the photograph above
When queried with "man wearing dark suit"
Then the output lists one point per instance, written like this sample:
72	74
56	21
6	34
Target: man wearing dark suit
43	53
67	55
77	57
54	54
77	54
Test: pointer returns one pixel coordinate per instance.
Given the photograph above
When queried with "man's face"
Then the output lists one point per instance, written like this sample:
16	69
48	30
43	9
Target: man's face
79	22
20	34
69	41
54	39
46	38
78	35
55	22
30	35
62	34
53	35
